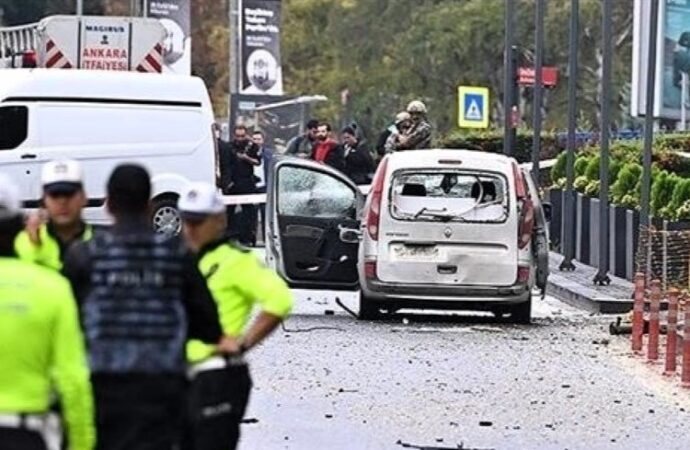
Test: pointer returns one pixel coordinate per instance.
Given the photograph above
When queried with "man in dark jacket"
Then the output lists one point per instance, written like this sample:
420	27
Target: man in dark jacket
359	164
302	146
141	297
246	154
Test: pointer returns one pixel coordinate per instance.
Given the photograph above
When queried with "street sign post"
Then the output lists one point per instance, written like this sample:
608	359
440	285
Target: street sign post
473	107
527	76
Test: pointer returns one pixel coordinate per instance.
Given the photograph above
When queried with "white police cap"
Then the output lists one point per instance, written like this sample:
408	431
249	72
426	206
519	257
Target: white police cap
62	176
200	200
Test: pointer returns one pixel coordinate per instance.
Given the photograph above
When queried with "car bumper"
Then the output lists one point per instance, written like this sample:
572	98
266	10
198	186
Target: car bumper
442	294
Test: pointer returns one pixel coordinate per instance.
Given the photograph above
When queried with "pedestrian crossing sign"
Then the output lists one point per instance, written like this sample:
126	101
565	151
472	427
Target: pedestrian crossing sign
473	107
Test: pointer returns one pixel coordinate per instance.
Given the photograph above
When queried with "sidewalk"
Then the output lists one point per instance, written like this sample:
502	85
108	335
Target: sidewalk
577	288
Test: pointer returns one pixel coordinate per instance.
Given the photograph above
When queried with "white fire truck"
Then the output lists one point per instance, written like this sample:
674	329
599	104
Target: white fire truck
86	42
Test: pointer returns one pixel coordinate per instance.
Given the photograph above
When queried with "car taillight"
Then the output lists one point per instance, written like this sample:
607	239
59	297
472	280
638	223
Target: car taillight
526	210
520	190
374	201
526	227
523	274
370	270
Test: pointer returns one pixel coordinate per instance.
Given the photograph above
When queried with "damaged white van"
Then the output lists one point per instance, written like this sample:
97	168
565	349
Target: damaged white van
440	229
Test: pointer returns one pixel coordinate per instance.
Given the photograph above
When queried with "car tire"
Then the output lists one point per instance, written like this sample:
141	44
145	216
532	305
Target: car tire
165	218
368	309
522	312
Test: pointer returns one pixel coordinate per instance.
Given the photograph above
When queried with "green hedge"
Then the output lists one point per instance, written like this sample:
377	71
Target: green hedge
492	141
670	195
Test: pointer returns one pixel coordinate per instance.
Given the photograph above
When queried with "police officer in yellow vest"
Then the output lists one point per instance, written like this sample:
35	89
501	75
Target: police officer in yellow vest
41	344
63	200
238	282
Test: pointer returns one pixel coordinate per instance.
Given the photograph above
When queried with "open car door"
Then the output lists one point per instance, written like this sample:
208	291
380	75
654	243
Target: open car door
308	207
540	236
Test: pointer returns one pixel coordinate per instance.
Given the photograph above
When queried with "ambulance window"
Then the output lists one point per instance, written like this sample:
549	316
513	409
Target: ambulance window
13	126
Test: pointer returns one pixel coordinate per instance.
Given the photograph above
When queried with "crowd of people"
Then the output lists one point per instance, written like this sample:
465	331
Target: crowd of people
141	338
245	161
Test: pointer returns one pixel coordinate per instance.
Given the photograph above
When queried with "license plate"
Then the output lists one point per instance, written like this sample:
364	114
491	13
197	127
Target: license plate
416	252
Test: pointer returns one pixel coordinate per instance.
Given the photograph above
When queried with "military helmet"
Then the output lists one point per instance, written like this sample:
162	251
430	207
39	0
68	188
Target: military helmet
416	106
401	117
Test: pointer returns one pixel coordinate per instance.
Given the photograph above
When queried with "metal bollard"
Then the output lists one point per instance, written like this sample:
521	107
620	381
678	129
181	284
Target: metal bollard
638	314
685	371
653	344
671	333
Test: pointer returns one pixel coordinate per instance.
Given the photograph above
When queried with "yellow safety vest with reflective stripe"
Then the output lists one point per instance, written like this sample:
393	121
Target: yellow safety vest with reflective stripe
50	252
238	281
42	347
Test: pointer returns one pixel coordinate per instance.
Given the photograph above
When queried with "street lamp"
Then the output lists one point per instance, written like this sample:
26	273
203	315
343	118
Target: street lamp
602	278
569	199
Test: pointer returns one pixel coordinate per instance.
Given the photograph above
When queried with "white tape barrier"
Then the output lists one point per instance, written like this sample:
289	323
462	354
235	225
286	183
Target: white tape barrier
256	199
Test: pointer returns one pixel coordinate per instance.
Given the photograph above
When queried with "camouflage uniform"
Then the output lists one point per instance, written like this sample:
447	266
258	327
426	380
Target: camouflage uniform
419	136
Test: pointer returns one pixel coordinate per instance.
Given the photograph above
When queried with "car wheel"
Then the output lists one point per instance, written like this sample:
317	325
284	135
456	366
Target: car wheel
522	312
165	217
368	309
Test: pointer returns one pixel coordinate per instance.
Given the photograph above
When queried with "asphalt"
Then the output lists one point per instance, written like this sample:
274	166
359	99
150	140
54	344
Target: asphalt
456	381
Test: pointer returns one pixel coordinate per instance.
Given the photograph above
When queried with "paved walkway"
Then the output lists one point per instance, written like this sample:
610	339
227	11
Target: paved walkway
578	289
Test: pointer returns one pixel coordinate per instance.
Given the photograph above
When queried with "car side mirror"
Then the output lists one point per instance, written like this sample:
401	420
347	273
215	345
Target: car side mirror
350	236
547	211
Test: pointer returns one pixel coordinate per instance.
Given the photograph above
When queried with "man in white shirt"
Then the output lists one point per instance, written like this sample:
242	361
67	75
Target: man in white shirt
262	171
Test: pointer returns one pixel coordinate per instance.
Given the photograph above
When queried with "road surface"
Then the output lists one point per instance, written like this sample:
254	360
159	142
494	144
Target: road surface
464	381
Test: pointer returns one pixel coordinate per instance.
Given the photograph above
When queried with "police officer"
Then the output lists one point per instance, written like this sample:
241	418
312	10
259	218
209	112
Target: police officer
40	341
141	298
220	386
63	200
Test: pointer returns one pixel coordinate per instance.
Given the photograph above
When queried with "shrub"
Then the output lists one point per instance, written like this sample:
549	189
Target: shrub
558	169
492	141
581	165
614	169
663	185
592	169
592	188
627	185
681	194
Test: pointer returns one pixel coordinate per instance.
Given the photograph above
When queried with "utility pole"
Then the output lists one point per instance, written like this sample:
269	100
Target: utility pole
649	115
602	278
569	199
234	22
538	87
80	7
509	78
134	8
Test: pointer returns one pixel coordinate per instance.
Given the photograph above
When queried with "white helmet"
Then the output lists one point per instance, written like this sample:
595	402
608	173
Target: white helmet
416	106
401	117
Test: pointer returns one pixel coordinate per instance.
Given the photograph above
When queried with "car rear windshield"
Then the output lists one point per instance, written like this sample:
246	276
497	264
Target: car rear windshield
449	196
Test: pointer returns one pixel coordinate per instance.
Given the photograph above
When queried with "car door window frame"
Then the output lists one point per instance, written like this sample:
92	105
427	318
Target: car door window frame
357	197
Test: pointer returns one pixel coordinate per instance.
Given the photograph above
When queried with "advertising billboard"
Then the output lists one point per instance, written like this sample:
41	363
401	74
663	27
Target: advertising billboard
673	56
261	71
175	16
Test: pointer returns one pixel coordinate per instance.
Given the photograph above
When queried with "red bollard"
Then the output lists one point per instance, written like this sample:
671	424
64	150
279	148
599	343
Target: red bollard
653	345
638	314
671	333
685	371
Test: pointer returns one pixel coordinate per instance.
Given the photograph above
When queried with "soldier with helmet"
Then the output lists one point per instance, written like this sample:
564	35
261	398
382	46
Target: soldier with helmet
418	136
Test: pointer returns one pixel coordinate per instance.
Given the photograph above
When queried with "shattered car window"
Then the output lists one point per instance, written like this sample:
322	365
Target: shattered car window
305	192
450	196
